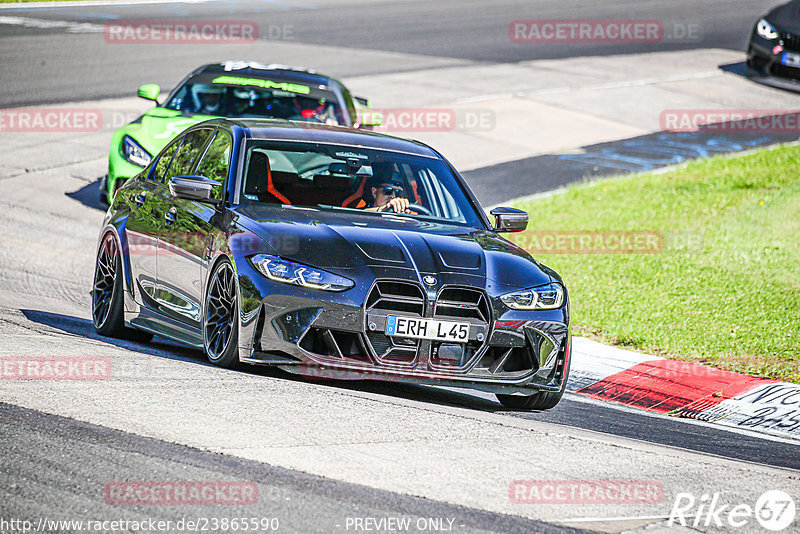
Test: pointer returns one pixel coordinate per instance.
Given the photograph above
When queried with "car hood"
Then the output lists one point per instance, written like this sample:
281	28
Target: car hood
394	247
159	126
786	17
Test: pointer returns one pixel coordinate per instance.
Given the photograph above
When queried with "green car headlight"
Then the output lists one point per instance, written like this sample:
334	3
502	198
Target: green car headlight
546	297
133	152
289	272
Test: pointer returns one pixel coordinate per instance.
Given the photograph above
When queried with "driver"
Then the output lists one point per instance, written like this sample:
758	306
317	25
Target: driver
384	192
316	109
207	98
242	100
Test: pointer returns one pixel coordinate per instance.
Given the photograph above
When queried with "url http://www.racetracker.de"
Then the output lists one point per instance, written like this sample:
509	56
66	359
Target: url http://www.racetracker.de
198	524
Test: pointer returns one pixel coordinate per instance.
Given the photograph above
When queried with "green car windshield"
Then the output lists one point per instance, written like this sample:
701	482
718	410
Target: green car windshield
247	97
352	178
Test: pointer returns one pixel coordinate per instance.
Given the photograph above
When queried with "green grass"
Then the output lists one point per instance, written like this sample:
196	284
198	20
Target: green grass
725	289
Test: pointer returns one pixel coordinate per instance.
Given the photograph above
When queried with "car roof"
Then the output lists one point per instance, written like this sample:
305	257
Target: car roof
273	71
283	130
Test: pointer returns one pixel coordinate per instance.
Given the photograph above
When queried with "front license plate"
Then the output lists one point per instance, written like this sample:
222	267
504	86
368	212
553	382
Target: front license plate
417	328
790	60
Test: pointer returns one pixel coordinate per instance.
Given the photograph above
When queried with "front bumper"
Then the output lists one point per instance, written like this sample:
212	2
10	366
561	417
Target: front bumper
762	60
343	336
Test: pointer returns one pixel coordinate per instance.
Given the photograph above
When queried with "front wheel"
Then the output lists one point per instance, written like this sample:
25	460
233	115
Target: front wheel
107	298
543	400
221	318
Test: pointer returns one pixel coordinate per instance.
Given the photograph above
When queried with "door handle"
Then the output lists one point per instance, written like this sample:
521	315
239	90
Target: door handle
140	198
170	215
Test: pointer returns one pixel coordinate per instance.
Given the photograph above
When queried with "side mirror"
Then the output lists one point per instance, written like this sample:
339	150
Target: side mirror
509	219
149	91
367	117
370	118
197	188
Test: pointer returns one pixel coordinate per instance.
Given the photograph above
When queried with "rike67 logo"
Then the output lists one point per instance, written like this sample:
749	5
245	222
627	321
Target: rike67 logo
774	510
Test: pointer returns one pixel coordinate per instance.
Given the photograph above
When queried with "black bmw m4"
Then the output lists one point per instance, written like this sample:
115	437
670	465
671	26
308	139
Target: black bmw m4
774	48
334	253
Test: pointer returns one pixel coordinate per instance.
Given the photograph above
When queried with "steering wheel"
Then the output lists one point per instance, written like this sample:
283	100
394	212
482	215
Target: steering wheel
412	207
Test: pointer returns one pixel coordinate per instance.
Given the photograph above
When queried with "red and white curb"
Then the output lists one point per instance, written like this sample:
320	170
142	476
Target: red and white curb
682	389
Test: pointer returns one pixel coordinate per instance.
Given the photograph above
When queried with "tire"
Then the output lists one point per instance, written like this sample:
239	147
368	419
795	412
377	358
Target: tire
543	400
107	299
221	317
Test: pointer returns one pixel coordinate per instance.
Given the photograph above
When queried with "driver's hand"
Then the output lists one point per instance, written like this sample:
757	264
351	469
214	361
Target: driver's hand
398	205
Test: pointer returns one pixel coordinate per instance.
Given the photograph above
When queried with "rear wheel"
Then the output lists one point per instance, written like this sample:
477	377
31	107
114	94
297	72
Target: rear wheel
220	320
107	298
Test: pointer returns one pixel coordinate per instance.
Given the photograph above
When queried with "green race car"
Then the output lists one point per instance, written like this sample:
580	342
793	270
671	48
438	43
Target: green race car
234	89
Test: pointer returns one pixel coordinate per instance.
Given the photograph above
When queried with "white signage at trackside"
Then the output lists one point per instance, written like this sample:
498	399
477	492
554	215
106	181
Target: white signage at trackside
772	407
768	407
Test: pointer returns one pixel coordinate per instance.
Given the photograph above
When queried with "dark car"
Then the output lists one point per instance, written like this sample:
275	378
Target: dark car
263	242
774	48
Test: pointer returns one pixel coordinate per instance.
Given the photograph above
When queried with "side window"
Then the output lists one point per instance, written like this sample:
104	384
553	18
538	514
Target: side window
164	160
216	161
189	153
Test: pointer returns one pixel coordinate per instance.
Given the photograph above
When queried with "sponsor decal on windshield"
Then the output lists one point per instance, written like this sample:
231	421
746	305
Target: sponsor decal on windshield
268	84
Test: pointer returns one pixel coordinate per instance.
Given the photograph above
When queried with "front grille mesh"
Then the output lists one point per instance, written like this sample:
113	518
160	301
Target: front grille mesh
452	304
790	41
392	297
389	297
461	303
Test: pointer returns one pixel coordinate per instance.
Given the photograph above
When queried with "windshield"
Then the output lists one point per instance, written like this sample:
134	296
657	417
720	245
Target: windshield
247	97
353	178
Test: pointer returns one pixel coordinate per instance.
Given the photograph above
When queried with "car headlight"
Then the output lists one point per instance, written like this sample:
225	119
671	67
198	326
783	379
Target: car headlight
546	297
766	30
133	152
289	272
